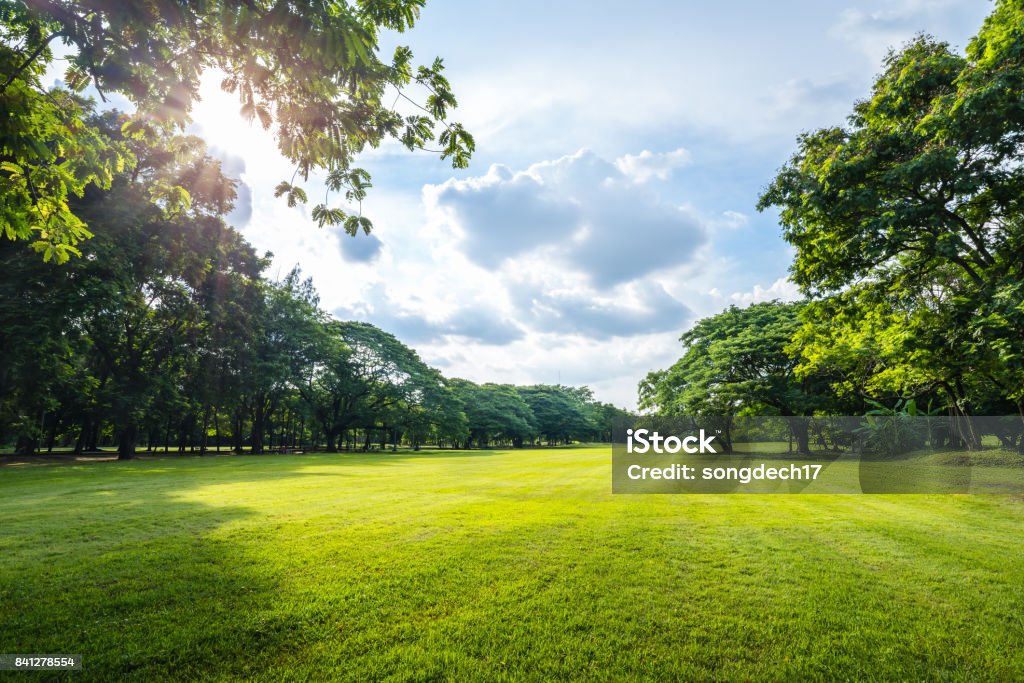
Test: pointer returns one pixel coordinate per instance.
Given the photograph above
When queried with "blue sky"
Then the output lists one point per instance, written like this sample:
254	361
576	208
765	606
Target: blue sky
621	150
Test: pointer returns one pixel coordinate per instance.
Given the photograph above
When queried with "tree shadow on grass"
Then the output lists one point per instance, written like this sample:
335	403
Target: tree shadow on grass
144	585
117	562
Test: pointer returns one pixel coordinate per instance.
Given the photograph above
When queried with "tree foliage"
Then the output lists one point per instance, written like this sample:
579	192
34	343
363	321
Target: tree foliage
735	361
495	412
739	362
908	227
311	72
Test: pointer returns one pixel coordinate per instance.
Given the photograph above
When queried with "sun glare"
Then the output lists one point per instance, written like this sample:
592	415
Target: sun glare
219	122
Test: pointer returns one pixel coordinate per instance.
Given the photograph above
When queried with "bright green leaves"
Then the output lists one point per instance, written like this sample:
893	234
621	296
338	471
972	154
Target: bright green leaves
457	144
737	360
397	16
350	223
401	65
441	98
76	78
353	224
418	131
308	71
172	198
909	186
910	220
866	346
354	181
325	215
296	195
50	155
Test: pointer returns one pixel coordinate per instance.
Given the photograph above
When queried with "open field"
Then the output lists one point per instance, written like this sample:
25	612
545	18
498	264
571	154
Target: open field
495	565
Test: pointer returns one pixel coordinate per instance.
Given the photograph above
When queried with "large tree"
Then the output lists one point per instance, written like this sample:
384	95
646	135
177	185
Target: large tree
288	341
495	412
911	218
125	323
559	413
309	70
366	378
738	361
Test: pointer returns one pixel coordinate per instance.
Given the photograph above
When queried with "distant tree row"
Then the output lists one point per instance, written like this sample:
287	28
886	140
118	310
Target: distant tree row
908	231
165	334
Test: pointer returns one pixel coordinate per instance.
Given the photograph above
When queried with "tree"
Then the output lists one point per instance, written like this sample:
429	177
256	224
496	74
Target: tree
289	341
605	417
366	378
559	414
40	349
737	362
126	321
913	214
495	412
310	70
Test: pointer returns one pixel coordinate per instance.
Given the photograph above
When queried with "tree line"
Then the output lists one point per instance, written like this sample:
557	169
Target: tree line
908	231
130	313
165	333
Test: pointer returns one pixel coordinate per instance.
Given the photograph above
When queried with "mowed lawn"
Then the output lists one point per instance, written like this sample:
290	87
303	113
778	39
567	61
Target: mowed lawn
494	565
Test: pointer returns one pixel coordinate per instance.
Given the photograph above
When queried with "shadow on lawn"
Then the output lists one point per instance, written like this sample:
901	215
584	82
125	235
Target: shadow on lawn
117	562
114	561
143	584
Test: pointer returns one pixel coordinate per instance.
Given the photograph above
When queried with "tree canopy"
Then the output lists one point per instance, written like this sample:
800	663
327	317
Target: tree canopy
909	228
310	71
738	362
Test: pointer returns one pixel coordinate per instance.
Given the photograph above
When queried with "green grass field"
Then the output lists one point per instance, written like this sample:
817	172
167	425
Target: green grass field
494	565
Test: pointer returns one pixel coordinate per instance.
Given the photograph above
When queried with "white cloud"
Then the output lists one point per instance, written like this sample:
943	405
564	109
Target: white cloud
782	289
612	368
579	211
642	307
824	99
732	220
646	165
875	32
410	319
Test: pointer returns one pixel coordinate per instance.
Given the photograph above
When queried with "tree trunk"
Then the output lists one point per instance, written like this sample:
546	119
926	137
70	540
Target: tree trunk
216	428
236	432
724	437
258	425
126	443
92	441
204	437
799	428
26	445
80	439
52	436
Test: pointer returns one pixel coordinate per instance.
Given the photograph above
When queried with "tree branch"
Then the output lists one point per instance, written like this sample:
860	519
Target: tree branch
28	61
